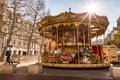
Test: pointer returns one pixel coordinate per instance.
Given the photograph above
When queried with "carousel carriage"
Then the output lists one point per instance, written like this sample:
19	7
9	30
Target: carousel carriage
71	34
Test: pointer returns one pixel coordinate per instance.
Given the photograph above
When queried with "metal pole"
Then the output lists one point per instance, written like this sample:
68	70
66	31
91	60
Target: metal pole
78	44
97	48
104	36
57	38
83	38
57	44
89	39
89	23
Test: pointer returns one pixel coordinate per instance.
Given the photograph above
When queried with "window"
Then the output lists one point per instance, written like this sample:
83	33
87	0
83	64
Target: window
14	41
19	43
61	19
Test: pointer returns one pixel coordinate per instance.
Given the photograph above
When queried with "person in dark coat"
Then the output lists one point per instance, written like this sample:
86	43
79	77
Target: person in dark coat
8	58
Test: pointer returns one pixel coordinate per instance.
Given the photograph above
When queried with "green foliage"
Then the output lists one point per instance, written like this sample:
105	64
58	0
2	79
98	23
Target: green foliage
109	42
117	36
113	42
116	40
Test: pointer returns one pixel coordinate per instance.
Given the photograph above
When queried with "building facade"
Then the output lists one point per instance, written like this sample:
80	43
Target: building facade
20	33
118	22
110	35
3	7
20	36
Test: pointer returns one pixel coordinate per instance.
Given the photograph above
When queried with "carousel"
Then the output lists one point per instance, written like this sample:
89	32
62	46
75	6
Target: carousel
70	37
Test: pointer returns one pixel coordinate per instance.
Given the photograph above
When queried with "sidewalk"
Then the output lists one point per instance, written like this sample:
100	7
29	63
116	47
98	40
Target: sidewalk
2	62
26	64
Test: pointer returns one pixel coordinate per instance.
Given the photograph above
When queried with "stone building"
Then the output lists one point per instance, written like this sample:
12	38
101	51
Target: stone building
115	29
3	5
20	34
118	22
110	35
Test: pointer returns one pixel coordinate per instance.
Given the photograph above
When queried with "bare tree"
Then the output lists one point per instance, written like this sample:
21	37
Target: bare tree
34	12
48	12
14	7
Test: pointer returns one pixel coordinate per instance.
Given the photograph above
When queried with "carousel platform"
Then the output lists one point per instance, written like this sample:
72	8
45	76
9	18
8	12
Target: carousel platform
101	65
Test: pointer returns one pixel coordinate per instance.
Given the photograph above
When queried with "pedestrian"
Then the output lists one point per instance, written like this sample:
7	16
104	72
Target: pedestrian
8	58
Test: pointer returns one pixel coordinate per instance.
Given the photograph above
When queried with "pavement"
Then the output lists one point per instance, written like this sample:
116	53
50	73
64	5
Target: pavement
57	73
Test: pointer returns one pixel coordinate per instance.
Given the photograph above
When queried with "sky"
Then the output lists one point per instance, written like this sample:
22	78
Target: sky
109	8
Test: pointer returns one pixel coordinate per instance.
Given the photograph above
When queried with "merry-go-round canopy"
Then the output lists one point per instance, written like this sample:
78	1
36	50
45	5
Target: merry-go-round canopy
96	24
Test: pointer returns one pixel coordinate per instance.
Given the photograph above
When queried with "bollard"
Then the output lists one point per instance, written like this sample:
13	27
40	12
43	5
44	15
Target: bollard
6	68
40	68
14	68
35	69
111	70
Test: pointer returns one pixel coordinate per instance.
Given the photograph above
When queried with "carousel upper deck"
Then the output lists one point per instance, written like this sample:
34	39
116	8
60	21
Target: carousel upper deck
70	21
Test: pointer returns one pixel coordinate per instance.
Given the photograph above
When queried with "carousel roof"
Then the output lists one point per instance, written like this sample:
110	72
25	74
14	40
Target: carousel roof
96	23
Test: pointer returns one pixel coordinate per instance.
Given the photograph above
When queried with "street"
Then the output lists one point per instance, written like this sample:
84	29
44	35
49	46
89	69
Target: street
58	73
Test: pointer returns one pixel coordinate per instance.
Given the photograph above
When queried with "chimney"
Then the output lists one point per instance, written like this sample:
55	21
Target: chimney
69	9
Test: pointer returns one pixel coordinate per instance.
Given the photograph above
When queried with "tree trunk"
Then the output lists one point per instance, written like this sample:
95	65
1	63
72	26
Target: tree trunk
10	34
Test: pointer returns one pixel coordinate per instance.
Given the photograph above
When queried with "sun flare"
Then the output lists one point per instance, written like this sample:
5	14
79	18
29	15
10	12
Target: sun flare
91	8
